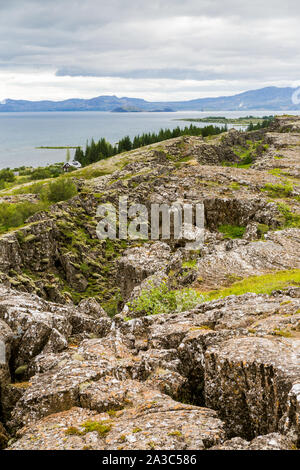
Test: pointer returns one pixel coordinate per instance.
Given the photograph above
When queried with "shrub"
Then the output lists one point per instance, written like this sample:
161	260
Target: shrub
7	175
40	174
160	299
60	190
14	215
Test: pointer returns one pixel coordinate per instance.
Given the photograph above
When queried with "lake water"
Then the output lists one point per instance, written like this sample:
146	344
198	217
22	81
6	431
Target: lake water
21	133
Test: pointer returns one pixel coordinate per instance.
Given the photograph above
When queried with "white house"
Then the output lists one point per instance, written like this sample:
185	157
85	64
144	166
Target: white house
74	165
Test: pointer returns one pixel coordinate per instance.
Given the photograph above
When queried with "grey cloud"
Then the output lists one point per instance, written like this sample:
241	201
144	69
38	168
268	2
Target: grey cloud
200	40
176	74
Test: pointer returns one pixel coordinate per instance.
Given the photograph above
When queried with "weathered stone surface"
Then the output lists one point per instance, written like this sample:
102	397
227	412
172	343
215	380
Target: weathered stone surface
290	422
40	326
3	437
58	388
139	263
92	308
273	441
240	258
249	379
249	311
138	418
6	338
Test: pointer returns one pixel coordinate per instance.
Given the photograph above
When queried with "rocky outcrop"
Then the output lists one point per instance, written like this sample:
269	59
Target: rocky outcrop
250	379
214	357
273	441
91	370
31	327
241	258
159	423
137	264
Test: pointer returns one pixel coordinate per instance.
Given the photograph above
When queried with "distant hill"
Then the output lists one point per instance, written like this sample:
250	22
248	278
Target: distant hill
269	99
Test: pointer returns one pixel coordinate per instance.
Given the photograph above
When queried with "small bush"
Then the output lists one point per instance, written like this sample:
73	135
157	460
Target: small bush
160	299
14	215
60	190
40	173
7	175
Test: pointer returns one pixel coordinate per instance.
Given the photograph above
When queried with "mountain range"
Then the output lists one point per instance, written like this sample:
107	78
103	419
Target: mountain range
269	99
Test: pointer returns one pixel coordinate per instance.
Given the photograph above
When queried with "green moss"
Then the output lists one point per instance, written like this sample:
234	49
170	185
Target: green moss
284	333
90	426
84	268
73	431
202	327
175	433
112	413
94	426
21	370
189	264
279	190
290	218
29	238
235	186
233	277
275	171
232	231
136	430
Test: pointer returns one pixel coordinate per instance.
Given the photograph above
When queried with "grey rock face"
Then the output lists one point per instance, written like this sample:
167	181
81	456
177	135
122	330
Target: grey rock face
139	263
250	379
273	441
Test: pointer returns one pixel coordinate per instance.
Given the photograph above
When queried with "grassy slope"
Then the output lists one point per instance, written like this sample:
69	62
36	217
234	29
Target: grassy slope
264	284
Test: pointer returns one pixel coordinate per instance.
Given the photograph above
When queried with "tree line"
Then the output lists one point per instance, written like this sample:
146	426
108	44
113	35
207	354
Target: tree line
260	125
96	151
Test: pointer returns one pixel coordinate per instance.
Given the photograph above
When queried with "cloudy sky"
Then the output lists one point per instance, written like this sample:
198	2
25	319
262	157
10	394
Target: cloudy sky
152	49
